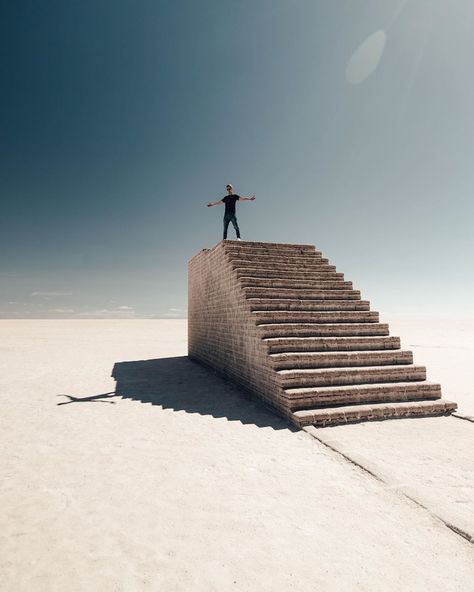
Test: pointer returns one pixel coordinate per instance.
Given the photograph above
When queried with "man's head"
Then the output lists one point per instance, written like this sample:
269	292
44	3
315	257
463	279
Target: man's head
229	188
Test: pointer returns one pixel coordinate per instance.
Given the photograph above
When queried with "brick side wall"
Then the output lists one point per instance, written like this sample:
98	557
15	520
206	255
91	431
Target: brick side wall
222	332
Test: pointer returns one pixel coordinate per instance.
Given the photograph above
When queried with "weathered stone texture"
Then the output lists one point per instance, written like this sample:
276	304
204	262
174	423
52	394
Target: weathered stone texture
222	332
282	323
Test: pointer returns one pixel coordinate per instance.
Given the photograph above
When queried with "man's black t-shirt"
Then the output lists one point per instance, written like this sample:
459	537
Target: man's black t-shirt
229	201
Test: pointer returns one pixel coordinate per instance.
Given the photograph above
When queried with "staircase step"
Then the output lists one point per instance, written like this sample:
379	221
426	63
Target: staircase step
297	360
242	244
315	344
273	252
340	376
374	411
303	316
326	272
300	293
336	284
309	265
264	258
284	304
322	330
332	396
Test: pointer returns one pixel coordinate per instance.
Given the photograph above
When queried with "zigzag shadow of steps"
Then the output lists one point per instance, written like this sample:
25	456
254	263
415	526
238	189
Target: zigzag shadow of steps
183	385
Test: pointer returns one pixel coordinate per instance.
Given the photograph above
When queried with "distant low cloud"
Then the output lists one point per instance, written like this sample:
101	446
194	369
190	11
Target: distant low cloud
51	294
175	313
120	312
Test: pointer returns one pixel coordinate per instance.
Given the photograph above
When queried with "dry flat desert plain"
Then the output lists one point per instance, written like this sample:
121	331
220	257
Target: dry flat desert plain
167	478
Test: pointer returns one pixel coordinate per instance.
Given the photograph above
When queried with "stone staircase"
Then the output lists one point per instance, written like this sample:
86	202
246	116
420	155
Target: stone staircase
285	325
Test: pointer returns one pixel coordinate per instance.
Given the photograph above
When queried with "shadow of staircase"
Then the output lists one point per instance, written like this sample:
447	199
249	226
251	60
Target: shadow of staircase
183	385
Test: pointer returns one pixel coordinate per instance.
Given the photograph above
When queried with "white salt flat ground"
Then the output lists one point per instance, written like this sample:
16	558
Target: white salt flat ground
431	461
178	482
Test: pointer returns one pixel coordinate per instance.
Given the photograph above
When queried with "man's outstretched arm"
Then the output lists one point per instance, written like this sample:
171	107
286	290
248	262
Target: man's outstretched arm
214	203
253	198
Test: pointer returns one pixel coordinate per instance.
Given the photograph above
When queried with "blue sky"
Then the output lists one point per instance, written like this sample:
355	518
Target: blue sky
352	122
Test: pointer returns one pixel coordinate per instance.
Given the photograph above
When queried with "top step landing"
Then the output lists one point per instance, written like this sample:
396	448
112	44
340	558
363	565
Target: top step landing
269	246
259	247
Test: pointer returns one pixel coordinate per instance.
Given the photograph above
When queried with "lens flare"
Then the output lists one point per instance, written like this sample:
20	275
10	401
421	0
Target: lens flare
366	58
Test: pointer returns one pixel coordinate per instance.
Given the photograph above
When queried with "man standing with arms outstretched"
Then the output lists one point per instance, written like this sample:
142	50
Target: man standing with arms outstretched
229	214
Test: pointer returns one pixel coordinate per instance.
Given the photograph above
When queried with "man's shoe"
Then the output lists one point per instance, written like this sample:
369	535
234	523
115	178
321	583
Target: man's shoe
239	239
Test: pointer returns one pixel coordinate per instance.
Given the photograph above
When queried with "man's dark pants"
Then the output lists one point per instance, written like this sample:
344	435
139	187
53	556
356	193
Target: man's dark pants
231	218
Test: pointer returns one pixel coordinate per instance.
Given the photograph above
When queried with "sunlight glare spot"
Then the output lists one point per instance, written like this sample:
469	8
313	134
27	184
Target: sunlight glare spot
366	58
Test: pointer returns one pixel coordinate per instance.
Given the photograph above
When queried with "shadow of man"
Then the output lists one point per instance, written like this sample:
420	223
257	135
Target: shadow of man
91	399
